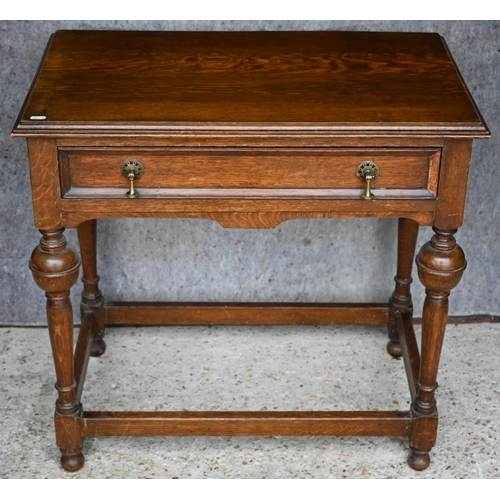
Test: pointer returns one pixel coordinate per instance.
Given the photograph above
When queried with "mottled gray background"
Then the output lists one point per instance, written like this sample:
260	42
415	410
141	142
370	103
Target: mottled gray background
306	260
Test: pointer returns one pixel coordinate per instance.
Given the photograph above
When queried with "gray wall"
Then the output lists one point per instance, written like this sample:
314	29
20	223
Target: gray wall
306	260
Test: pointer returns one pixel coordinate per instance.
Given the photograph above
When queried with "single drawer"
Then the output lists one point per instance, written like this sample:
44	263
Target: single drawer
403	172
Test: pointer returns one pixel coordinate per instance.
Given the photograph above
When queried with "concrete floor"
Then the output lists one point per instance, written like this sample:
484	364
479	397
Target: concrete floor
251	368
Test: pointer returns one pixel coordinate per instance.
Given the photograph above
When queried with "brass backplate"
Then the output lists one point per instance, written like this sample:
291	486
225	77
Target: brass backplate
367	167
132	166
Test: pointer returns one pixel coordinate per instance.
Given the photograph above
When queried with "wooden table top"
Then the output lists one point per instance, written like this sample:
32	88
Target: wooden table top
110	82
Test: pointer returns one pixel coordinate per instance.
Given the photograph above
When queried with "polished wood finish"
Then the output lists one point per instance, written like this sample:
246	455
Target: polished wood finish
258	168
440	263
83	350
92	298
247	423
204	313
45	186
55	269
401	298
248	210
409	350
249	130
155	82
453	184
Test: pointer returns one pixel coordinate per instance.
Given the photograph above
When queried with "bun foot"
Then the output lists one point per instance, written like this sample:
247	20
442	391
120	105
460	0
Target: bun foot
72	461
98	347
419	460
394	349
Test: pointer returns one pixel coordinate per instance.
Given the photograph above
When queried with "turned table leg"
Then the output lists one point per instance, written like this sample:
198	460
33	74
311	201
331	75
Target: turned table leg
401	298
92	297
441	263
55	269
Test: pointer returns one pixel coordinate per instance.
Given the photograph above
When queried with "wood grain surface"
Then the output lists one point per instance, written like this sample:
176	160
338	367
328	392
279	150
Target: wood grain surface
247	423
252	168
248	129
117	81
256	313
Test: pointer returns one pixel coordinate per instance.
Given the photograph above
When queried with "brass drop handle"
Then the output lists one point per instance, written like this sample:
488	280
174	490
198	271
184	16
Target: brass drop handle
367	171
132	170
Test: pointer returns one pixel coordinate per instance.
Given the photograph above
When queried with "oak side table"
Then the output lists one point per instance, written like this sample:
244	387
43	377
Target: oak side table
247	129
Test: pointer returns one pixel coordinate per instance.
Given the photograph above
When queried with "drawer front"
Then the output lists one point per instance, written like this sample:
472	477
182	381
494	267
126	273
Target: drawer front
403	172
